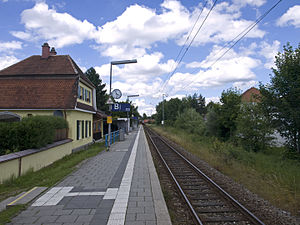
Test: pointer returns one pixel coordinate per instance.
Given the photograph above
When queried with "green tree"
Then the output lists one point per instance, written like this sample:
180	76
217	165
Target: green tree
281	98
144	116
221	118
190	121
101	96
254	129
171	109
228	112
195	101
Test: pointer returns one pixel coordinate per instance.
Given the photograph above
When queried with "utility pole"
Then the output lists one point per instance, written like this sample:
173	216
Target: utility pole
163	108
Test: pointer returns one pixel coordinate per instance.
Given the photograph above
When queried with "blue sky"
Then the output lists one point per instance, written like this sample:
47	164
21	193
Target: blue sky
94	33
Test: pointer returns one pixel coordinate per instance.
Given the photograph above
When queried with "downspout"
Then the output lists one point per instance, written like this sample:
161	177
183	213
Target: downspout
67	129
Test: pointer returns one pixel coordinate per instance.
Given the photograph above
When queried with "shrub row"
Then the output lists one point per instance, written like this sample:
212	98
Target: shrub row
30	132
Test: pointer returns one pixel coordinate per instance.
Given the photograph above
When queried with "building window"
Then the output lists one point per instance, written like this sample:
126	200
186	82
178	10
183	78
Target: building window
58	113
78	129
84	94
82	129
86	128
89	128
79	92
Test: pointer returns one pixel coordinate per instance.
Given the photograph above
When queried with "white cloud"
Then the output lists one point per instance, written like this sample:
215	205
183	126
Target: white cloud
291	17
221	26
233	67
10	46
147	68
244	85
249	2
59	29
212	99
141	26
6	61
142	88
269	51
144	107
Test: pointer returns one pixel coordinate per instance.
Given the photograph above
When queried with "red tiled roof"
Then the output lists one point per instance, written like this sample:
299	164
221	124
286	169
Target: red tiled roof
35	65
53	65
251	95
43	93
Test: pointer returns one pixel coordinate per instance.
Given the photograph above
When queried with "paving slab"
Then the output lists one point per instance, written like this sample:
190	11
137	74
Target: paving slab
114	187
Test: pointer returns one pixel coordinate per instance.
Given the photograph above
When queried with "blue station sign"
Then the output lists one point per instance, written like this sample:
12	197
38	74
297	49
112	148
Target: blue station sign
121	107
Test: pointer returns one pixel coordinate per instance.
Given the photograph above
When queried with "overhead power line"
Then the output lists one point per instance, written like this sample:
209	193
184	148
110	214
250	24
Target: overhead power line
186	50
188	37
241	35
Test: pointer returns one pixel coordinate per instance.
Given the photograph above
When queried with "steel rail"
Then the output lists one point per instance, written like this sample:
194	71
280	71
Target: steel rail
238	205
196	217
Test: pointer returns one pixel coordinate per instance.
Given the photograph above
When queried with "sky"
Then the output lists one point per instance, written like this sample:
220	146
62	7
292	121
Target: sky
157	33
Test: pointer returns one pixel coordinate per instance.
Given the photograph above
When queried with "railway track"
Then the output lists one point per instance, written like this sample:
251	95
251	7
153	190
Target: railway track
207	201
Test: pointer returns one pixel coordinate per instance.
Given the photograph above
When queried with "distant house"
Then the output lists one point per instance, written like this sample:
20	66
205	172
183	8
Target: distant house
251	95
50	84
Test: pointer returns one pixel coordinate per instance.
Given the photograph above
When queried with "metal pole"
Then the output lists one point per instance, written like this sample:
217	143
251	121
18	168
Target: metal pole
163	111
110	79
109	125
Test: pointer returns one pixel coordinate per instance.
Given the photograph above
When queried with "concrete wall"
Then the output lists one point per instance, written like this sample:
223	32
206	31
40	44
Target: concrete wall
19	163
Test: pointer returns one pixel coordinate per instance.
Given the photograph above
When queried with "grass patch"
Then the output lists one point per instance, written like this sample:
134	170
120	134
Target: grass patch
267	174
45	177
12	211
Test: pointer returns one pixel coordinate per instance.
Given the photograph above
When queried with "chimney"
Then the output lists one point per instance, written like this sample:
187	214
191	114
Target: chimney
53	52
45	51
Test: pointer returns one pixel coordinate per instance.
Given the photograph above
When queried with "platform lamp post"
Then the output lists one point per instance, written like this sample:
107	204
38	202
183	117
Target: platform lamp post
128	121
110	83
163	108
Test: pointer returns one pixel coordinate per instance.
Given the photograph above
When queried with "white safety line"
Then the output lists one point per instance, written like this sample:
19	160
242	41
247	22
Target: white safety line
118	212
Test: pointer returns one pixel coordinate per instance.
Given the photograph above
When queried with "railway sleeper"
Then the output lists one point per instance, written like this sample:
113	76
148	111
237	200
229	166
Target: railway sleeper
215	210
222	219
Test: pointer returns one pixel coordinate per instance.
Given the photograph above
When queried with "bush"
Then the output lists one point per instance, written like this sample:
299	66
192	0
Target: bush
190	121
31	132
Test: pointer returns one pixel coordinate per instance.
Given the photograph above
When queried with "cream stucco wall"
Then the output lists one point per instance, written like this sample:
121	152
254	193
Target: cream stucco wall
72	117
44	158
33	161
9	169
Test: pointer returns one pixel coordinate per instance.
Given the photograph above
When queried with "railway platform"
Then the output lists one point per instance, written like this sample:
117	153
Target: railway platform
115	187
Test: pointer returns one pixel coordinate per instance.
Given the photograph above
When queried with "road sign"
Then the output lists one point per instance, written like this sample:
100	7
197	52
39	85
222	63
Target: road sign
121	107
109	119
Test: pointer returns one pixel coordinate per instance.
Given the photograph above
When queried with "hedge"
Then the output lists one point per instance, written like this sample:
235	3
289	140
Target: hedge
30	132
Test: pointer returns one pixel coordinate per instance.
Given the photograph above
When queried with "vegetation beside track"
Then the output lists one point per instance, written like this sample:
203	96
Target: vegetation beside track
45	177
268	174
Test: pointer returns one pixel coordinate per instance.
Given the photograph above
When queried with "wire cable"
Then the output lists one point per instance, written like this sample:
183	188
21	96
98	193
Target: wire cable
188	37
186	50
249	28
